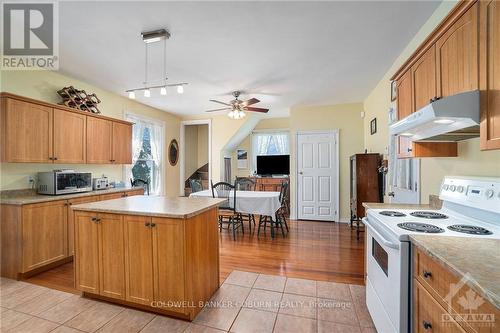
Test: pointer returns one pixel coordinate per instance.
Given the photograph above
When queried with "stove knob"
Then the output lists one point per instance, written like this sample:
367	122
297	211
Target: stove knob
490	193
445	187
460	189
452	188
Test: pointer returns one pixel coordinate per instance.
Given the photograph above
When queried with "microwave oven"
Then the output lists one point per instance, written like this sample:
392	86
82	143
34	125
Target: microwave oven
64	182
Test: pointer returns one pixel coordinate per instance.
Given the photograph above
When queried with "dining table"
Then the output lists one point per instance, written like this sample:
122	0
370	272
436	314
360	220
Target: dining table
263	203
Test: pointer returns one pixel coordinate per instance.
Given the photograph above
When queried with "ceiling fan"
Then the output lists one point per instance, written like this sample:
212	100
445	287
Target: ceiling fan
237	107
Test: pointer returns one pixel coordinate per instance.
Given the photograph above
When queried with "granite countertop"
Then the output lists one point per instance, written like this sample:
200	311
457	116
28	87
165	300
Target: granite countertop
159	206
477	257
26	197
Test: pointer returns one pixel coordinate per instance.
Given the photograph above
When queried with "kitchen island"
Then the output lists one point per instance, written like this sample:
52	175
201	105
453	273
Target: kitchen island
155	253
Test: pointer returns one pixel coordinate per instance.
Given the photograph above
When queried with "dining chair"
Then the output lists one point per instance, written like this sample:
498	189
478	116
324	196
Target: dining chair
138	182
246	184
283	210
227	214
280	215
196	185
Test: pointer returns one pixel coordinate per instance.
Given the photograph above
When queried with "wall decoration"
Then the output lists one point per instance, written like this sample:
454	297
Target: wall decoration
394	91
173	152
242	157
79	99
373	126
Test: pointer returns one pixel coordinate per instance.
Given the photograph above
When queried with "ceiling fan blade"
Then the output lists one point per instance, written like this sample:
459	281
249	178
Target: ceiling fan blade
216	101
221	109
256	109
251	101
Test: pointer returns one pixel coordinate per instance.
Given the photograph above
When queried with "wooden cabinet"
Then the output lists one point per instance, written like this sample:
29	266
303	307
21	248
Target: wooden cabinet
457	55
122	143
71	221
404	93
435	304
423	74
112	262
365	183
87	251
489	61
26	132
139	259
117	195
99	140
38	132
69	137
44	232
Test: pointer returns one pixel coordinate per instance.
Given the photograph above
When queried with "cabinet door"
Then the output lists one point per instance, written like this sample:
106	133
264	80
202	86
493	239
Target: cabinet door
122	143
71	221
405	147
69	137
490	74
28	132
168	258
138	259
86	252
45	234
404	93
457	55
99	133
111	255
424	79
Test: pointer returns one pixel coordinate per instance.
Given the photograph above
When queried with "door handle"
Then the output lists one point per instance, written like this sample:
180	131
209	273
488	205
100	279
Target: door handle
301	173
391	194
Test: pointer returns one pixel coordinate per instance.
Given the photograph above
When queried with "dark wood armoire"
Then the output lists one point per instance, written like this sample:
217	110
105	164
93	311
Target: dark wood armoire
366	182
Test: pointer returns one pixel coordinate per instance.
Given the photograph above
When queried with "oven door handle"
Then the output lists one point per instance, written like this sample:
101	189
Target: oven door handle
379	236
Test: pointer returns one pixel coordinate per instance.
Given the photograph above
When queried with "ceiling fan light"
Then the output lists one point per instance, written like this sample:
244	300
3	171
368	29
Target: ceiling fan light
242	114
147	93
180	89
231	114
131	95
163	91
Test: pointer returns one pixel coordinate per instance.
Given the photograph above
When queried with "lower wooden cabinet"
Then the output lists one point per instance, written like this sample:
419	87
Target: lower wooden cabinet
87	250
71	222
44	234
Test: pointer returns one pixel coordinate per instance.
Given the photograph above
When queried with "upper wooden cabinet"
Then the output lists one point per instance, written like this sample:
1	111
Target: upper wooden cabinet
26	132
38	132
404	93
423	74
457	55
489	59
122	143
99	140
69	137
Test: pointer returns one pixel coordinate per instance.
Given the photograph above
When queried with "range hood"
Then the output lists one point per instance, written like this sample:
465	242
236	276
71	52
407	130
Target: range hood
452	118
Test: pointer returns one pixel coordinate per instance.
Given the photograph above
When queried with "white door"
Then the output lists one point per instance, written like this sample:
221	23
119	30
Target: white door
317	176
406	189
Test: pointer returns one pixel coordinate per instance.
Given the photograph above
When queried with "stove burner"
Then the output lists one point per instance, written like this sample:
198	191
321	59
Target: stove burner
429	215
469	229
421	227
392	213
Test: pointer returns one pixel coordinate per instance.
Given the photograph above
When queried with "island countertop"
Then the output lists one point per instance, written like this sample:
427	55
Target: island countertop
477	257
159	206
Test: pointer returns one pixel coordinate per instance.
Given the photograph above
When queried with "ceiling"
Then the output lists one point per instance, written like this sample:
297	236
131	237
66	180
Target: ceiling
284	53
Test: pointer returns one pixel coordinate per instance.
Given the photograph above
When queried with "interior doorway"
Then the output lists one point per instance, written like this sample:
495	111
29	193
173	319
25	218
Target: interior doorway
196	154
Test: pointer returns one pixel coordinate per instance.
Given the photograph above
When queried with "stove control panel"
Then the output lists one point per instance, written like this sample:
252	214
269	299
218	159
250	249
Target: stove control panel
478	192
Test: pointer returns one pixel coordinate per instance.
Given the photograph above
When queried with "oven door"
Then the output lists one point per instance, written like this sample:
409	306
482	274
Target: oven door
387	279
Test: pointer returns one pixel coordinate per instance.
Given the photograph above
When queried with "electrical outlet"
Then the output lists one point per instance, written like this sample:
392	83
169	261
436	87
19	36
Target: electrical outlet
31	180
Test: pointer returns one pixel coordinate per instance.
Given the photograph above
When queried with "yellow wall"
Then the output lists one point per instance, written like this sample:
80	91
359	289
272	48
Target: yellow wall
42	85
202	145
471	161
346	118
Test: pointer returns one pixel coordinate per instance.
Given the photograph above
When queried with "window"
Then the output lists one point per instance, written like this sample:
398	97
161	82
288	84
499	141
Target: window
269	143
147	151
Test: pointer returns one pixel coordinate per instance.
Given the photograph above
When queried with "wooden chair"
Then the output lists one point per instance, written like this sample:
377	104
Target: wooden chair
196	185
246	184
140	182
280	216
283	211
227	214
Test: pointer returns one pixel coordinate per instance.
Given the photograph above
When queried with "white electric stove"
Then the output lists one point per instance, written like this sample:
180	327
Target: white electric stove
471	208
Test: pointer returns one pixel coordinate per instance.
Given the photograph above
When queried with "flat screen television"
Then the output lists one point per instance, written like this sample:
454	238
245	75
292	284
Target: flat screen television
273	165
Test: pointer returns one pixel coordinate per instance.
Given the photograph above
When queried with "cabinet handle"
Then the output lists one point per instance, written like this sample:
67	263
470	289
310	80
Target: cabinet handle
426	274
51	158
426	325
147	224
54	158
410	150
153	225
94	219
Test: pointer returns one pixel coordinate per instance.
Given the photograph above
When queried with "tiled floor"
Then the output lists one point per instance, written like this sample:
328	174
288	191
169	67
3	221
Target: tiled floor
246	302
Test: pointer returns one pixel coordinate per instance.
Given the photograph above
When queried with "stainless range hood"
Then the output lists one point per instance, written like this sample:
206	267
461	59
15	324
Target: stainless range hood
452	118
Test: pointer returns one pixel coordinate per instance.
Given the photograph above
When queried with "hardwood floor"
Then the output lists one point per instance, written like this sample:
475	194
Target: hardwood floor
312	250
